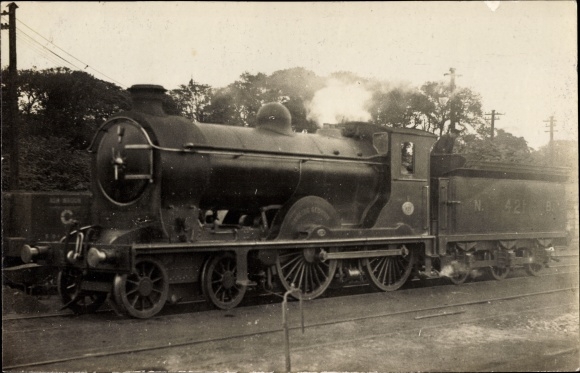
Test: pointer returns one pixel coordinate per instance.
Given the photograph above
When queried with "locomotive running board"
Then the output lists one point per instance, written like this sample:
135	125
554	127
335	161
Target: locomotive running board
212	246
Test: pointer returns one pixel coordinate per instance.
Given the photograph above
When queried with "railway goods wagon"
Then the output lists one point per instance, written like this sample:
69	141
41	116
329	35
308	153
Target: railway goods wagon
35	216
497	215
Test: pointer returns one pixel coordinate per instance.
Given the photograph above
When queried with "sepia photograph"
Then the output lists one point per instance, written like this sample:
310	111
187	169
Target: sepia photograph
224	186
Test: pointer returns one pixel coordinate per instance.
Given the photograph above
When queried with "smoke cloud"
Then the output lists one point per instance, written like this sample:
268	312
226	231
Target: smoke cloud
339	102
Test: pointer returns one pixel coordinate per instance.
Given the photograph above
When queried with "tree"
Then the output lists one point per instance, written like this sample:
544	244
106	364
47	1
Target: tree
565	154
397	107
249	93
60	110
439	106
192	100
293	88
222	108
51	163
65	103
504	148
239	102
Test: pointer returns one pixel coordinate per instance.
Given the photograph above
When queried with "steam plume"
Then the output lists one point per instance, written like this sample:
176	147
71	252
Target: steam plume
339	102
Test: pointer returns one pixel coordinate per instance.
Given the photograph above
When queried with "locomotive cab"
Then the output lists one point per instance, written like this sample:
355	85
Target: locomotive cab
407	206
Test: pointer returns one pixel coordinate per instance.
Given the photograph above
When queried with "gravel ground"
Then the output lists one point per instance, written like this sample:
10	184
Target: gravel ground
15	301
537	334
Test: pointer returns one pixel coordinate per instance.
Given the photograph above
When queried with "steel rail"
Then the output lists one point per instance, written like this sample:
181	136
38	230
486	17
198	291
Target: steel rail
109	310
278	330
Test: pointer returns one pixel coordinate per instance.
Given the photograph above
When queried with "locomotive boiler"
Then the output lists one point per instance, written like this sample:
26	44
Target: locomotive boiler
181	207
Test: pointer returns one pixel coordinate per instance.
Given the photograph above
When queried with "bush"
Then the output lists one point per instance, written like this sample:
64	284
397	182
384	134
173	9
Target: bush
50	164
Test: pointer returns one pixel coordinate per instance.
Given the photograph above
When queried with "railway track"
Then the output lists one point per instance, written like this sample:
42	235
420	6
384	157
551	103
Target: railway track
269	328
411	284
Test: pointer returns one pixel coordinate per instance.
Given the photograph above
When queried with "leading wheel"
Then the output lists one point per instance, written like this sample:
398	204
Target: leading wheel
388	273
219	282
303	270
69	288
142	293
533	268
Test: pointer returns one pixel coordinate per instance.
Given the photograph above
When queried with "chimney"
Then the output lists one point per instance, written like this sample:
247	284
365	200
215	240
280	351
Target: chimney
148	98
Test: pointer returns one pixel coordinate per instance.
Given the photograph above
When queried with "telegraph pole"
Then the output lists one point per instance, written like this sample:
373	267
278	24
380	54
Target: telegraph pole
12	96
552	122
493	118
452	76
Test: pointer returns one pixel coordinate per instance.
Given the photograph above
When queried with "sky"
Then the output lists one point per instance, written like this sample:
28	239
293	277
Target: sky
520	56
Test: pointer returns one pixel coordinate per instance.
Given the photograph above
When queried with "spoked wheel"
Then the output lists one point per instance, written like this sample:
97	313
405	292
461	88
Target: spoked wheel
460	266
534	267
303	270
79	301
498	272
219	282
143	293
388	273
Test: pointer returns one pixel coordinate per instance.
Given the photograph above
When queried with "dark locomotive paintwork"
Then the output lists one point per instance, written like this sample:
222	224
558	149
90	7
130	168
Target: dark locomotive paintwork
359	201
231	167
491	200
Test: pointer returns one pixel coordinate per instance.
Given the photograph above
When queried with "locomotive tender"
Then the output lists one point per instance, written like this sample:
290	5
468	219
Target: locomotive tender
181	206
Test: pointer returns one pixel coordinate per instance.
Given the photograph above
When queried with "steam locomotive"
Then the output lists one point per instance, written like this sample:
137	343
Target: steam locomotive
182	208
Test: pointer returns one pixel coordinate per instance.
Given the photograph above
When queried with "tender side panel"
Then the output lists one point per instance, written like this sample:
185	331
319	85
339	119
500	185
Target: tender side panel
500	206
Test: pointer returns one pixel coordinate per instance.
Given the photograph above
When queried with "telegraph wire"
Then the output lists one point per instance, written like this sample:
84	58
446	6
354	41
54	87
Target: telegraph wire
40	50
31	39
37	50
31	29
31	44
87	66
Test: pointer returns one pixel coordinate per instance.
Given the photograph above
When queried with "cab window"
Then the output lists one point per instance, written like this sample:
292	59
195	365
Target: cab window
407	158
381	142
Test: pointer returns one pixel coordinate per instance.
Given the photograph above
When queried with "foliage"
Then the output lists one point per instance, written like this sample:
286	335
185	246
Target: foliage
50	163
443	109
192	99
60	110
397	107
238	103
565	154
504	148
294	88
66	103
432	107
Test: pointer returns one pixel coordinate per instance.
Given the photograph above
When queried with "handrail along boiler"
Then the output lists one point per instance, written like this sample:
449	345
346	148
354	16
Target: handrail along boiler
181	208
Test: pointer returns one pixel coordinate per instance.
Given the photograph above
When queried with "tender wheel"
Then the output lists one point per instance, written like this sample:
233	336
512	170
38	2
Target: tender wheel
388	273
143	293
69	288
460	266
533	268
219	282
305	271
499	272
